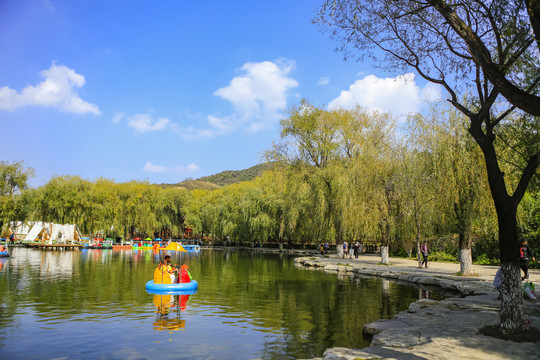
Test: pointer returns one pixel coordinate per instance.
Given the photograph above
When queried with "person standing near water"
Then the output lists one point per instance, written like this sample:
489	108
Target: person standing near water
424	250
525	255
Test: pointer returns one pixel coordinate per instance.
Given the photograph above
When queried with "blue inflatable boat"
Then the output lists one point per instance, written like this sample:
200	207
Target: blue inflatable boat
4	254
150	286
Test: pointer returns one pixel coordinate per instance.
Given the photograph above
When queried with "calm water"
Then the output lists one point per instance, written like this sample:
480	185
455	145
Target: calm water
92	304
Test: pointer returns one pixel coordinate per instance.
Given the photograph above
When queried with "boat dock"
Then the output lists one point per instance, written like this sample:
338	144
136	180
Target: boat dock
55	246
121	247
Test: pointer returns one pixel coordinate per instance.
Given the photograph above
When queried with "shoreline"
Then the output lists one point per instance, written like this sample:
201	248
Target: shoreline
430	329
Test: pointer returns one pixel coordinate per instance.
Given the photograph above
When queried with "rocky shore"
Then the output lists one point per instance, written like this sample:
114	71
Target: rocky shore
430	329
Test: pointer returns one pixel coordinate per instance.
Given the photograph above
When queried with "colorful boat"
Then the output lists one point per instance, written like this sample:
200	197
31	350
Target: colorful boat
192	248
99	244
169	288
144	246
4	254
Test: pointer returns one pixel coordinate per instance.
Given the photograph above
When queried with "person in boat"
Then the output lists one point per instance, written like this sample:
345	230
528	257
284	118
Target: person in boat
2	248
164	273
184	276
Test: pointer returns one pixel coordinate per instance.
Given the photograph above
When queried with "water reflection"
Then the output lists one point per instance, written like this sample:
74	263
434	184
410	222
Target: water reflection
167	320
168	309
259	303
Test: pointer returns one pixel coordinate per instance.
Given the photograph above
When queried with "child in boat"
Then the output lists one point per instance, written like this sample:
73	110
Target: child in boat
164	274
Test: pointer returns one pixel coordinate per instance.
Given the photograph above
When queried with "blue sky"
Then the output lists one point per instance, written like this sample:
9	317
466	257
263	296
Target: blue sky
165	90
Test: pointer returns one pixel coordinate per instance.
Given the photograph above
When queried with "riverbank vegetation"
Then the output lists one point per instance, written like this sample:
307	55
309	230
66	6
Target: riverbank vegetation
485	56
336	175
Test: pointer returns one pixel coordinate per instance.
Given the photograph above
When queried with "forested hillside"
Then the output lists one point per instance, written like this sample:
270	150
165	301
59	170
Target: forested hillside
230	177
223	178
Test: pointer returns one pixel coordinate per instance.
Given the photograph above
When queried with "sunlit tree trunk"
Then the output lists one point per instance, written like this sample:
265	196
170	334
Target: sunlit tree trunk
512	315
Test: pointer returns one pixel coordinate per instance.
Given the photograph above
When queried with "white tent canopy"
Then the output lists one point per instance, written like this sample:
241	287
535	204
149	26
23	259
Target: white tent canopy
34	232
53	232
64	233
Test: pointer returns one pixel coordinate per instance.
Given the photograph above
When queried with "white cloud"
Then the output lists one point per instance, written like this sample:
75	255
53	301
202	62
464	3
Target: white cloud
258	98
143	123
189	169
324	80
154	168
399	95
118	117
192	133
57	91
221	124
260	94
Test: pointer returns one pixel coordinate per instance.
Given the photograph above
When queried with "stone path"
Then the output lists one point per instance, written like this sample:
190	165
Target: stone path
430	329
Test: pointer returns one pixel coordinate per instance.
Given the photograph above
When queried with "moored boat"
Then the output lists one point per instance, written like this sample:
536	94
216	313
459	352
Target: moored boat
192	247
99	244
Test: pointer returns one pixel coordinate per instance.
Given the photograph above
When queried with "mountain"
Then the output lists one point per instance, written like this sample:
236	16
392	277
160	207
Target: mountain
231	176
222	179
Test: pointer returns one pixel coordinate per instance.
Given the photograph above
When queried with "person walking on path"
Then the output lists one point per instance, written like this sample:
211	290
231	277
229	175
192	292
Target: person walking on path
525	255
345	246
424	250
497	282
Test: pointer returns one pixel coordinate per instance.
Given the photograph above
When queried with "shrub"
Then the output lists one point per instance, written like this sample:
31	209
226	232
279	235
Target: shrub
441	256
483	259
399	252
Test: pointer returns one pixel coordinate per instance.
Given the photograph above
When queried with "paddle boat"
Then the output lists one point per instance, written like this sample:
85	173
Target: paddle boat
4	253
191	245
181	288
99	244
142	247
146	244
192	248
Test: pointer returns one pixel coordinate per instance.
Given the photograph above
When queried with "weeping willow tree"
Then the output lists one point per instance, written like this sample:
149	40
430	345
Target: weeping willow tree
474	47
14	179
106	207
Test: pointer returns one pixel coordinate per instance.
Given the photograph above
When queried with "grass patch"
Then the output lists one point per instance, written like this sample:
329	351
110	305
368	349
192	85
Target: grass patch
340	264
470	275
526	334
389	264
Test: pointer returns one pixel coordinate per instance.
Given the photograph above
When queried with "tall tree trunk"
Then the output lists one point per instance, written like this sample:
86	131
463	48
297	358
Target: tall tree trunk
512	315
385	258
385	241
417	228
465	253
465	261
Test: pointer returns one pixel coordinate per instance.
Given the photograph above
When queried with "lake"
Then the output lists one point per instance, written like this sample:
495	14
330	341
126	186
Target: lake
92	304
